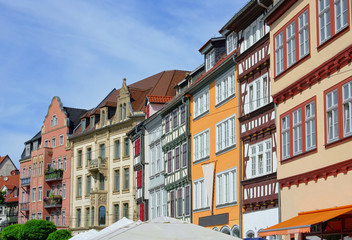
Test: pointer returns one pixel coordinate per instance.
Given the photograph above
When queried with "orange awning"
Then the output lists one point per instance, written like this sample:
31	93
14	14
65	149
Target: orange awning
302	222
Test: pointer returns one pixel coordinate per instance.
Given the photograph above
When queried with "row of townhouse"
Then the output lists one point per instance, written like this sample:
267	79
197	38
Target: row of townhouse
203	146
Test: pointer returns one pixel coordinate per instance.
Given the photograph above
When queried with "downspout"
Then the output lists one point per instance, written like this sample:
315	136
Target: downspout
262	5
240	171
279	190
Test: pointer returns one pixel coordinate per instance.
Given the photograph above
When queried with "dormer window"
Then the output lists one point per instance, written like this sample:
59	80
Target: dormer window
83	125
35	145
210	60
28	149
92	121
103	118
121	112
231	42
124	111
53	121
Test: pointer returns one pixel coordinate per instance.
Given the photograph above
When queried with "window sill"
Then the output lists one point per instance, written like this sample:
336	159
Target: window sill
304	154
126	157
222	151
284	72
337	35
125	191
201	160
226	205
116	159
338	142
79	198
116	192
201	209
223	102
201	115
79	168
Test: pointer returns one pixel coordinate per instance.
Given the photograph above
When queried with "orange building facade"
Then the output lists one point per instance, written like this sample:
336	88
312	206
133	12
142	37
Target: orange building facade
215	151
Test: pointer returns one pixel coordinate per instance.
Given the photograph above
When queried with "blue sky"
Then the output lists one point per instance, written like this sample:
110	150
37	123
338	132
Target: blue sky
80	50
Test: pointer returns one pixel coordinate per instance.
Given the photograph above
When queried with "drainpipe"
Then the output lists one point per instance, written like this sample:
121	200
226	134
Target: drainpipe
262	5
240	171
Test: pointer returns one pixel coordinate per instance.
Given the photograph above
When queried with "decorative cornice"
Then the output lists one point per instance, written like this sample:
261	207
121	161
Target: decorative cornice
325	172
316	75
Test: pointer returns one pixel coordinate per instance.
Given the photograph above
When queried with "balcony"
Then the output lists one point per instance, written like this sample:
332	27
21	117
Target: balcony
25	181
53	175
11	218
98	164
53	202
25	206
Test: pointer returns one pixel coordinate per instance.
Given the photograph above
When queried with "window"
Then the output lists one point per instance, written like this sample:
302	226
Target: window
226	188
126	182
200	198
137	147
89	185
53	121
64	190
125	210
121	112
40	168
103	118
63	218
79	187
347	108
57	218
78	215
324	20
35	145
117	180
116	212
53	142
124	111
93	220
59	163
61	140
34	194
40	193
156	164
83	125
92	122
225	87
89	155
34	169
279	53
101	182
53	164
184	155
179	202
210	60
58	189
177	158
169	162
297	43
310	126
64	163
39	216
23	172
297	132
187	200
341	14
183	114
158	202
127	147
201	145
201	102
102	151
258	93
285	135
226	133
102	214
29	171
46	143
332	116
167	124
260	157
79	164
175	118
32	216
231	42
139	178
28	149
172	203
117	149
87	217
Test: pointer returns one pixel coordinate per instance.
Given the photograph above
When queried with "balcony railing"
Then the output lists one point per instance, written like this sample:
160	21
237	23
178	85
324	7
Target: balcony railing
25	181
53	202
53	175
97	164
25	206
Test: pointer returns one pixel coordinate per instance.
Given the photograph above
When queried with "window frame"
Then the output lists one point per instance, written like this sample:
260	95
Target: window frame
210	60
204	204
230	189
197	106
225	87
219	135
206	144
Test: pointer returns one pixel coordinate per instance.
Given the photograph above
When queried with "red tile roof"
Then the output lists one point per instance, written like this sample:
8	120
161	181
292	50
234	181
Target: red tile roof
2	158
12	182
159	99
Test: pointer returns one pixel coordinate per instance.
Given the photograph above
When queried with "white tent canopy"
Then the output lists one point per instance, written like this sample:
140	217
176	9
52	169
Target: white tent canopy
84	235
160	228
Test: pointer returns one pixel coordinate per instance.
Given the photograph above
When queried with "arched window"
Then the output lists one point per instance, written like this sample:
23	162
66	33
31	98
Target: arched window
124	111
235	231
226	230
102	216
101	181
121	112
250	234
103	118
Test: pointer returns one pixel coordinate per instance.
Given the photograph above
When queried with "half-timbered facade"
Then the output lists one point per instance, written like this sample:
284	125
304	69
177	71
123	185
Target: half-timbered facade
256	117
311	54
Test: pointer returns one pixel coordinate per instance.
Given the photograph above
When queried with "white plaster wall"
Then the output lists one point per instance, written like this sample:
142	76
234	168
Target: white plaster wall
259	220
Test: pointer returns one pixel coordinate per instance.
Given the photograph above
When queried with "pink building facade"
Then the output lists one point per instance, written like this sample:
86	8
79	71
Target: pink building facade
45	168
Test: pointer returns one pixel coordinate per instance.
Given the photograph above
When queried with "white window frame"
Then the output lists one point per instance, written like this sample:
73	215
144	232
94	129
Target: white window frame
201	102
201	145
258	92
279	53
226	133
61	140
342	18
297	131
46	143
34	194
200	197
225	87
310	125
291	43
53	142
226	187
285	136
303	34
324	26
53	121
260	157
28	149
231	43
347	108
332	123
210	60
40	193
